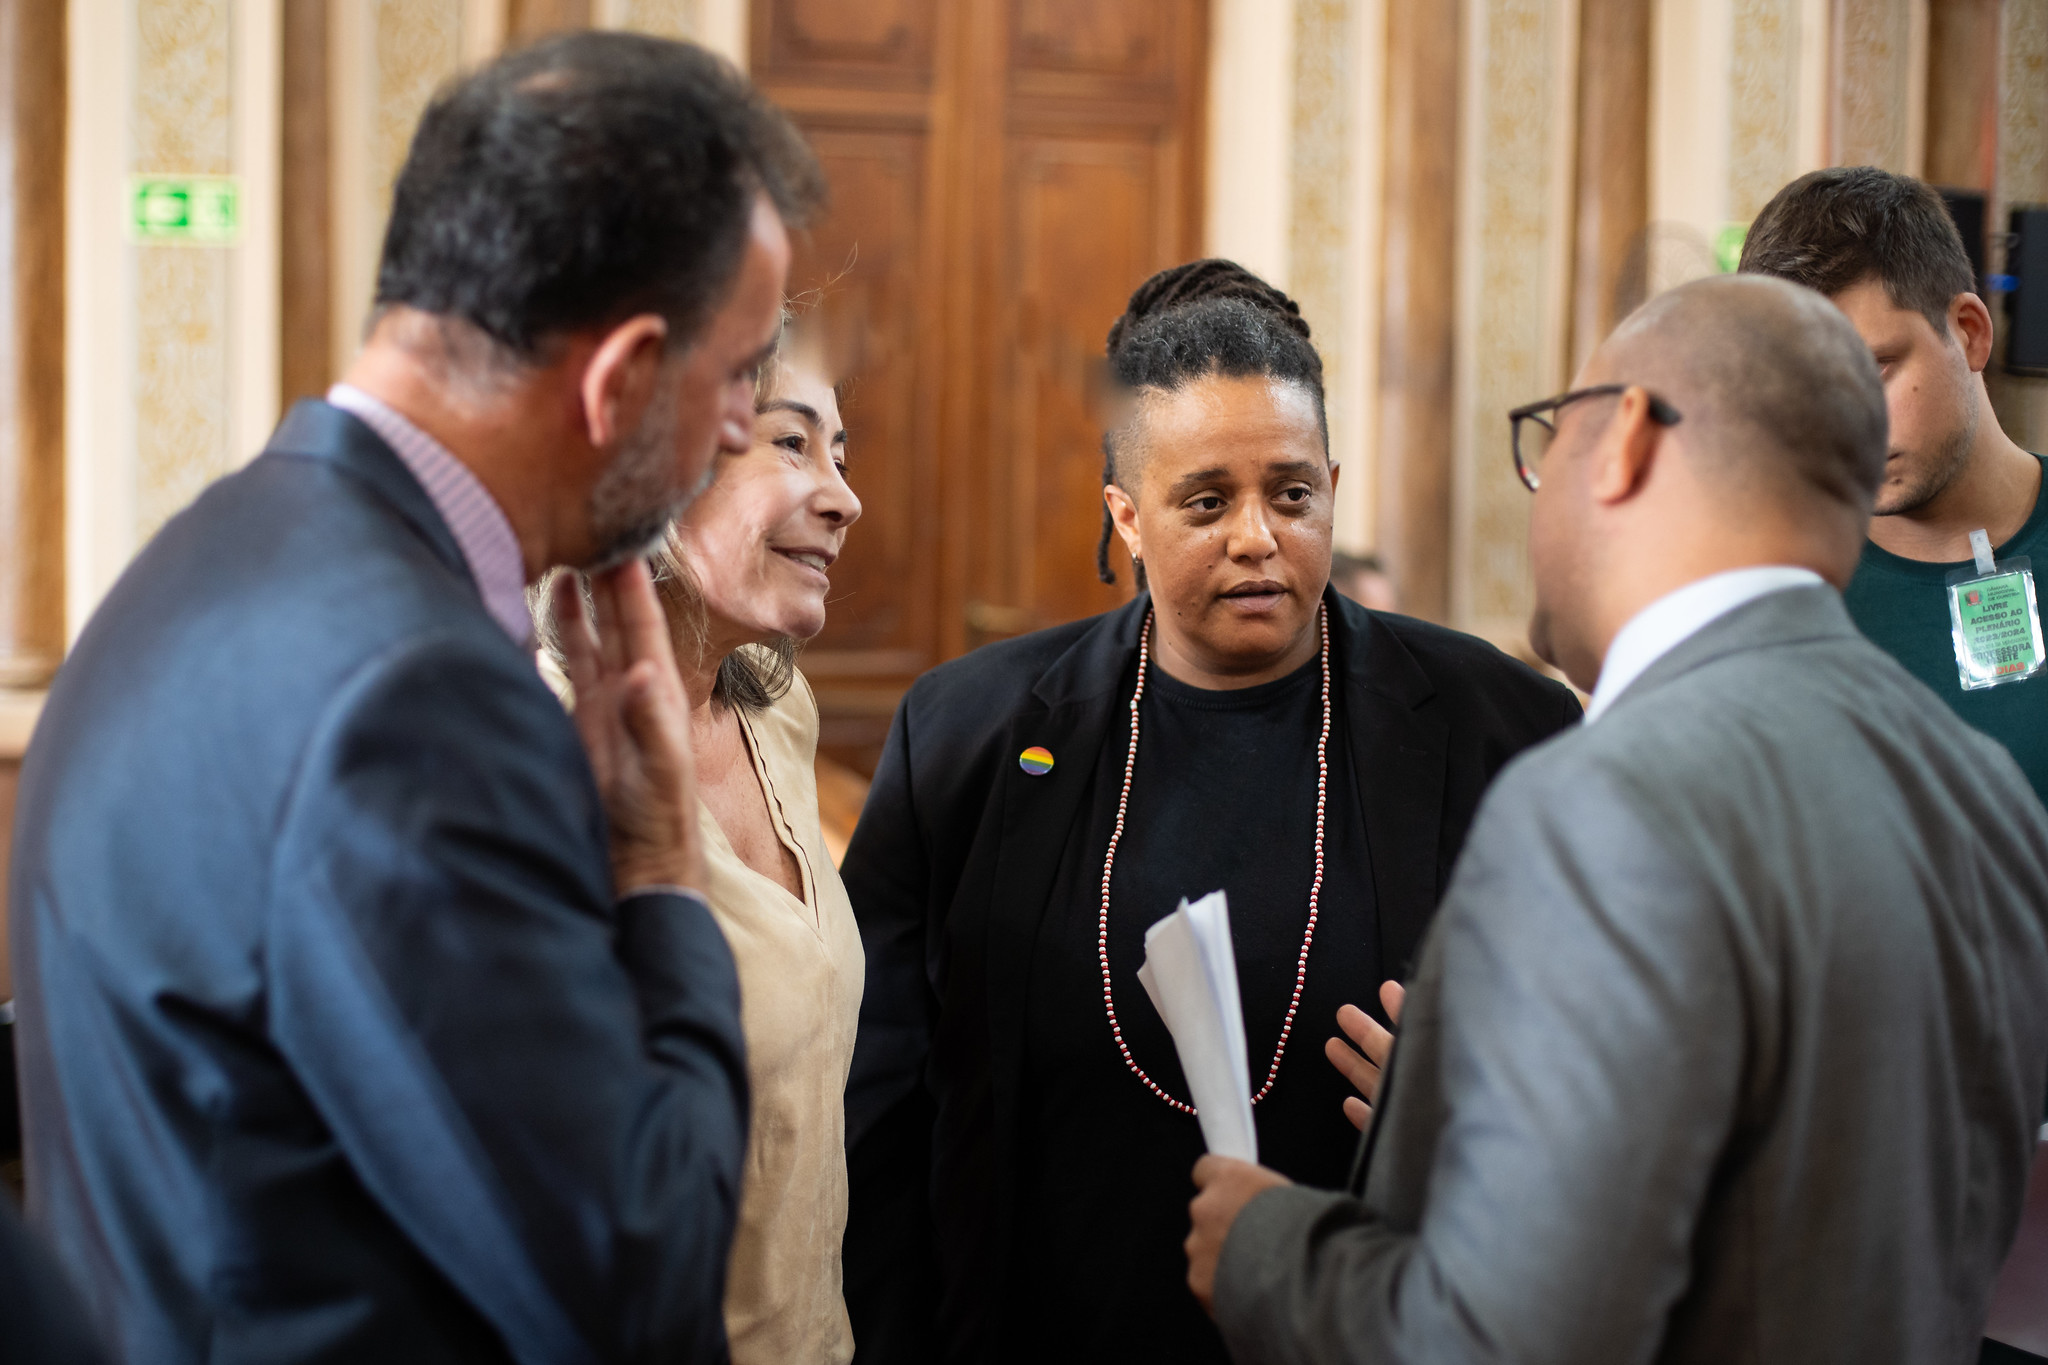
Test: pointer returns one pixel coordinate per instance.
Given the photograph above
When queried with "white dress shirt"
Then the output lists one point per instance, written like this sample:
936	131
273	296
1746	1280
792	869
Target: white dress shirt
1673	618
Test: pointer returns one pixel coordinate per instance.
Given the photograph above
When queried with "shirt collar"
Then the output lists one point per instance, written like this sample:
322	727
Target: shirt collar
474	518
1675	617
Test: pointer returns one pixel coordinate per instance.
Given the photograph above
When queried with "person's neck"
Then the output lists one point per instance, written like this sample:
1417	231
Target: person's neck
700	680
1180	661
1679	561
494	437
1994	493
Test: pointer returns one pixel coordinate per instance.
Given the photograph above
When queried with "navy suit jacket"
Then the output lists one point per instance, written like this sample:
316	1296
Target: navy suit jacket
335	1044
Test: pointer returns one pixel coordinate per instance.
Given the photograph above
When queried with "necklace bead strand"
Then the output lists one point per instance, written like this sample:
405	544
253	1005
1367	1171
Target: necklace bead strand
1315	891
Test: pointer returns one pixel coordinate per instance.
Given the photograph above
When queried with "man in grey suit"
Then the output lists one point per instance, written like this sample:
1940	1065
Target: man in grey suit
1728	1041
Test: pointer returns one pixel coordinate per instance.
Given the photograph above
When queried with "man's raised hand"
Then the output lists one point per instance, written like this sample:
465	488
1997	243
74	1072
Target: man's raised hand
635	721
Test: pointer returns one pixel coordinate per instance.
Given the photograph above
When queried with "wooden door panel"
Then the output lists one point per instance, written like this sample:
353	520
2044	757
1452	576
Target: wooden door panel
1084	234
1004	173
1130	48
861	41
855	283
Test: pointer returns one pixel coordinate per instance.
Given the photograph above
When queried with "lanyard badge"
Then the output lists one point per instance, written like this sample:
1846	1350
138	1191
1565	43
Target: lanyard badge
1995	620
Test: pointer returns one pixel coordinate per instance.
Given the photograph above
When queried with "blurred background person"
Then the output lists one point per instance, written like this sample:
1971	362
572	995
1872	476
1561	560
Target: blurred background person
1885	250
370	1009
743	580
1016	1106
1364	580
1728	1043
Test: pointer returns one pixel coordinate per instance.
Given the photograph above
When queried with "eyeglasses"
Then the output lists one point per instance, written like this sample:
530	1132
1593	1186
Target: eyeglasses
1534	426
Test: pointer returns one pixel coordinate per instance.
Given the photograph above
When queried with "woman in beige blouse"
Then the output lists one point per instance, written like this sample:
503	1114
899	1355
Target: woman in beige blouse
744	579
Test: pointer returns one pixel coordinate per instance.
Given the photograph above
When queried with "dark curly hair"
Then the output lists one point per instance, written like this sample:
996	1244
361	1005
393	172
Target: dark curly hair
1209	317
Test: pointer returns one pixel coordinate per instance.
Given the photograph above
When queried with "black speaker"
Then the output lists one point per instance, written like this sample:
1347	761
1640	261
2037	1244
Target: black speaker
1966	207
2026	336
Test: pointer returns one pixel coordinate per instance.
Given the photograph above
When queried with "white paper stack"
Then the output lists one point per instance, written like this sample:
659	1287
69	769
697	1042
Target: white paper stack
1190	972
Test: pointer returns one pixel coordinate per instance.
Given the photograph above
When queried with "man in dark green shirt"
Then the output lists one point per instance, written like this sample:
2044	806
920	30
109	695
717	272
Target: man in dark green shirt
1884	248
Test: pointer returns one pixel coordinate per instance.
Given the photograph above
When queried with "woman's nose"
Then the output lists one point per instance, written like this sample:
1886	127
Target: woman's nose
1251	537
837	502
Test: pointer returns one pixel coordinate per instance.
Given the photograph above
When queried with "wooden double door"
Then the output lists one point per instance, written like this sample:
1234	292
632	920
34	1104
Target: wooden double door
1004	173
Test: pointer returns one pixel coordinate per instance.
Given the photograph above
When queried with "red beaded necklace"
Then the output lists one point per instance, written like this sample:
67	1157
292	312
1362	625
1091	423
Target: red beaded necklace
1123	803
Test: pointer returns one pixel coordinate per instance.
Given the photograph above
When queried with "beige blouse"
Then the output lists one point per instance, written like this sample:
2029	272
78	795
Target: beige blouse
801	969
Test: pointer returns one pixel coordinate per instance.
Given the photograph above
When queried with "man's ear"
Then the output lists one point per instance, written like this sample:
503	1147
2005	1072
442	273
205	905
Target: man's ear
1627	449
1124	513
619	379
1969	322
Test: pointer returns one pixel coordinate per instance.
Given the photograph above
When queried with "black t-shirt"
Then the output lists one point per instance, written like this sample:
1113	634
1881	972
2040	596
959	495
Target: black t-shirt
1902	605
1224	796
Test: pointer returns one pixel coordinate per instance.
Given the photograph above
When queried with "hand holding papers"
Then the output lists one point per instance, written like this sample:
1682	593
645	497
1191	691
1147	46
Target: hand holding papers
1190	972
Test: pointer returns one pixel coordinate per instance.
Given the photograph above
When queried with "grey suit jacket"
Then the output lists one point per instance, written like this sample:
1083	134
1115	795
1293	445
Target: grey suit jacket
1727	1044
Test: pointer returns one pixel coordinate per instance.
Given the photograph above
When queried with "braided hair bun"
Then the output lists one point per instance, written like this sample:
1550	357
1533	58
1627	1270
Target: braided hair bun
1208	317
1213	278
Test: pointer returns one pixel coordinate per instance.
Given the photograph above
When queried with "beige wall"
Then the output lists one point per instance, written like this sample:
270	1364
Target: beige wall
171	356
1293	180
171	351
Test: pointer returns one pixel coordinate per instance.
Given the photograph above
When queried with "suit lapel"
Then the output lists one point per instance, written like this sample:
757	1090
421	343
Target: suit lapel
1399	749
321	431
1076	704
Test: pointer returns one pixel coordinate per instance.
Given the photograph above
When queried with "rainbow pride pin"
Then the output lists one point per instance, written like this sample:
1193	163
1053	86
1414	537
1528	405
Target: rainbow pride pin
1035	761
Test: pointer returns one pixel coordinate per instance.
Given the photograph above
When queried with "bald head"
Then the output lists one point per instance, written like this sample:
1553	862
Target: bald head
1774	384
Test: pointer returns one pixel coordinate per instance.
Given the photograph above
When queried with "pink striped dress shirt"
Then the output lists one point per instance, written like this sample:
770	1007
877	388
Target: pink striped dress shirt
473	515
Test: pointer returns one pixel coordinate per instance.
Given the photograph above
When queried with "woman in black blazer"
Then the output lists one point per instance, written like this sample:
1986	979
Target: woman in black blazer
1018	1131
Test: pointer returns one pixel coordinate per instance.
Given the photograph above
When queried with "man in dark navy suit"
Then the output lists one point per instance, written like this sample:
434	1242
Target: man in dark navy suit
367	1011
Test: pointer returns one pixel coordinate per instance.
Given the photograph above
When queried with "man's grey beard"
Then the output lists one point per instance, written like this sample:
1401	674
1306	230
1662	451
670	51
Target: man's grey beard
633	502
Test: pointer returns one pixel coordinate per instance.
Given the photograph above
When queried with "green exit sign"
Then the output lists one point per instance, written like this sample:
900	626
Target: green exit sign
195	210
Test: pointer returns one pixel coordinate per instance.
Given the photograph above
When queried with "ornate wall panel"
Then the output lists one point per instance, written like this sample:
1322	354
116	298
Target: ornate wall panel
1514	234
181	120
389	56
1763	108
1880	73
1325	233
664	18
171	350
2023	105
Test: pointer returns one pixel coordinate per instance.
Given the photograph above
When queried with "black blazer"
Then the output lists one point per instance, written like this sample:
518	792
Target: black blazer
334	1043
952	864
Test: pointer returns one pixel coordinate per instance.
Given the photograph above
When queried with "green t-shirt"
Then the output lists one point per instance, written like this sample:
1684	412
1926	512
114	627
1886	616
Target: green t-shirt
1902	605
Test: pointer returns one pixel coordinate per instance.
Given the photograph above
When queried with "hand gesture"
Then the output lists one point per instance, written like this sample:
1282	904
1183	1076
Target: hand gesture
1224	1186
635	723
1364	1065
